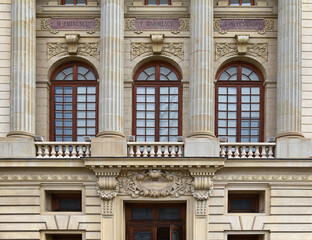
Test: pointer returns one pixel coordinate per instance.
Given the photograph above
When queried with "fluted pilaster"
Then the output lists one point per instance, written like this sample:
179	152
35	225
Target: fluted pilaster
23	68
201	69
289	84
112	68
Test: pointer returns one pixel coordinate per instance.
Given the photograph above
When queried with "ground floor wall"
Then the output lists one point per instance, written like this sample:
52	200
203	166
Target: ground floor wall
286	212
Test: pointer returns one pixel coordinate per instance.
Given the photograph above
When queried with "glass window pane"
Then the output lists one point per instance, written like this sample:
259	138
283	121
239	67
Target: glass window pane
150	139
232	123
142	76
163	139
152	77
245	90
254	77
81	98
81	106
163	131
222	131
234	3
163	115
58	99
222	107
90	76
150	98
164	106
164	90
141	106
222	123
81	123
60	76
68	106
58	114
222	90
255	91
140	114
174	106
246	2
222	115
232	70
172	76
58	106
91	90
142	213
81	114
82	70
150	115
81	90
163	2
90	114
150	123
150	90
142	235
91	123
150	70
69	77
163	123
241	204
164	70
169	213
140	90
164	98
68	90
58	90
173	131
246	71
91	106
91	131
232	90
232	131
224	76
174	115
150	131
232	107
81	131
231	115
91	98
150	106
174	123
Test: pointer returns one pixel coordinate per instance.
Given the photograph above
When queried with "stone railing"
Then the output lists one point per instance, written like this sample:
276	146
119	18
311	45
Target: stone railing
63	149
247	150
155	149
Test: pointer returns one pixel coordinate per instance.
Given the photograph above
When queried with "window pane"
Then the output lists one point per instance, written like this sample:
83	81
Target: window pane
169	213
164	70
246	2
142	236
241	204
152	2
234	3
142	213
163	2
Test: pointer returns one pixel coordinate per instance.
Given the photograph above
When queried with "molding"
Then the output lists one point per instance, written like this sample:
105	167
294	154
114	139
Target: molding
261	178
230	49
169	49
84	49
52	177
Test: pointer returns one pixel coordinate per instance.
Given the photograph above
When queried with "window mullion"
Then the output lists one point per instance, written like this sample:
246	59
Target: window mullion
239	114
157	112
74	113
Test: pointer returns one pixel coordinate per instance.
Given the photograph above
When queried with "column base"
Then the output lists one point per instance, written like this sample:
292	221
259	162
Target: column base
20	134
202	147
293	147
17	147
108	145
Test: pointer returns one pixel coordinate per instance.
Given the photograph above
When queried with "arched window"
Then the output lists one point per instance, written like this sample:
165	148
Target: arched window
157	103
240	103
74	103
241	2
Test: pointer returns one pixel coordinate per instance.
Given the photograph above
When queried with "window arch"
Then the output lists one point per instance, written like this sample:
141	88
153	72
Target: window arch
240	103
74	102
157	103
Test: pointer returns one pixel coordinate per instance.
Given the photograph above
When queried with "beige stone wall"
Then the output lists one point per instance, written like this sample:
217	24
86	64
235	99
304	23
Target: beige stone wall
22	203
5	58
306	68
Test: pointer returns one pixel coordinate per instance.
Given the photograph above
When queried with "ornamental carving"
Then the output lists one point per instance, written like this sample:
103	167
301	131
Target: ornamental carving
84	49
54	25
173	25
171	49
222	26
155	183
271	178
46	177
253	49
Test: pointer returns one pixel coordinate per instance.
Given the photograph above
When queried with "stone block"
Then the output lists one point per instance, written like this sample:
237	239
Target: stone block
202	147
109	147
287	147
17	148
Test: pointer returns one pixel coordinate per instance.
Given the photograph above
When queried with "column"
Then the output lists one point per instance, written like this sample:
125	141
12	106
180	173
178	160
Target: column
110	141
201	70
112	69
201	141
290	140
289	84
23	68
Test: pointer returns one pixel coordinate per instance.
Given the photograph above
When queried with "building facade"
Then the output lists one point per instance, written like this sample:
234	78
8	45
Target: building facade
156	119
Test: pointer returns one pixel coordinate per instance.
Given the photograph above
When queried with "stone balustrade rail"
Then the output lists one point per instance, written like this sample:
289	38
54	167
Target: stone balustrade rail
155	149
247	150
63	149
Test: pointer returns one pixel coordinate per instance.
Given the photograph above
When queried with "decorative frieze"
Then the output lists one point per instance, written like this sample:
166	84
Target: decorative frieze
170	49
259	25
46	177
84	49
263	178
54	25
174	25
230	49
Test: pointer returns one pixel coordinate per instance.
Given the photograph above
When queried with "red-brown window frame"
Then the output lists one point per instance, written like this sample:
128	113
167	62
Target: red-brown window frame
244	237
56	197
255	198
240	2
169	3
75	2
239	84
155	222
155	83
74	84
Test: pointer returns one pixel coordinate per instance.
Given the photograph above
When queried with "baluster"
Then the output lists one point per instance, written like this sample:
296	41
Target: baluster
222	151
80	151
236	154
173	151
39	151
131	152
180	152
60	151
243	155
166	152
138	151
67	151
88	150
145	152
53	152
159	152
152	152
263	152
46	151
250	153
74	151
229	153
257	153
271	153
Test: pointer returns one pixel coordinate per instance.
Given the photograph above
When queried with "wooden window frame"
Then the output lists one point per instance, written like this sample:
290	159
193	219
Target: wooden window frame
254	197
74	84
61	236
56	197
240	3
146	3
146	224
239	84
75	3
157	84
244	237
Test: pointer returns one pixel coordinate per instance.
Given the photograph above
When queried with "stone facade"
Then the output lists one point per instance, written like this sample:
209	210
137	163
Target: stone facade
198	38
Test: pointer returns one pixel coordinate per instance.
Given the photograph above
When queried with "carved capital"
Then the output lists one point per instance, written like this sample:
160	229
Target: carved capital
157	41
107	184
72	42
202	183
242	41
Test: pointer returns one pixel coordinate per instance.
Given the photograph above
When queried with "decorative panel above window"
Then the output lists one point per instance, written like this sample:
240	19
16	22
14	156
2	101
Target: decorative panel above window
74	2
73	103
157	104
240	104
241	2
158	2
